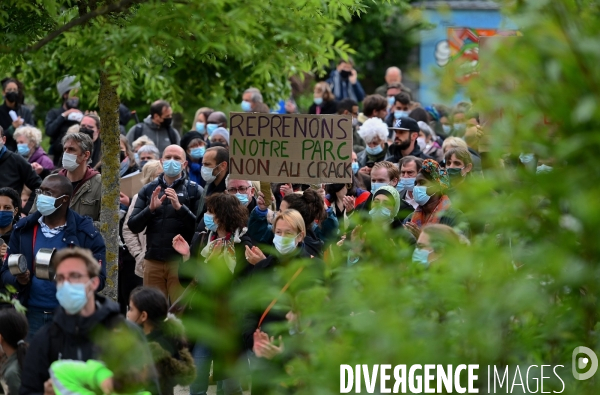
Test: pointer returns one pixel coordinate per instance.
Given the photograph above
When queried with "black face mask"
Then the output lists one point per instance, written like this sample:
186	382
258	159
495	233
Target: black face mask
87	131
72	103
12	96
122	156
345	74
166	122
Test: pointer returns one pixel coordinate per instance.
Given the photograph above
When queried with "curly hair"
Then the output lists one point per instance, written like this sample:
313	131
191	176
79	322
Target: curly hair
228	211
310	205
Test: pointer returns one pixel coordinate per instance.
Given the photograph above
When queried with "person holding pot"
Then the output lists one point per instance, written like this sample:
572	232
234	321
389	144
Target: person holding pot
54	225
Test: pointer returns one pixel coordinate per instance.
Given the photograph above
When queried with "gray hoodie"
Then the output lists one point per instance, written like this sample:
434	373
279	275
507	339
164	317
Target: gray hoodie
158	134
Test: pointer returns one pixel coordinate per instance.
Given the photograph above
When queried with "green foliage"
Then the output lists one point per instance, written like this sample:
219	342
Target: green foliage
8	298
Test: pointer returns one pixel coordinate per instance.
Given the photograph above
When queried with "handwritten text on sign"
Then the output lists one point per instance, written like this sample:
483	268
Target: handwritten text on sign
303	149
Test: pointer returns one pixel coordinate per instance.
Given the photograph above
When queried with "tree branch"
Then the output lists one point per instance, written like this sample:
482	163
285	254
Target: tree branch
115	7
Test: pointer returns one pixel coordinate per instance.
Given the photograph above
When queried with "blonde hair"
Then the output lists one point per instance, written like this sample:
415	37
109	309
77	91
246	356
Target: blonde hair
293	218
34	135
149	171
91	264
73	129
393	171
454	142
143	140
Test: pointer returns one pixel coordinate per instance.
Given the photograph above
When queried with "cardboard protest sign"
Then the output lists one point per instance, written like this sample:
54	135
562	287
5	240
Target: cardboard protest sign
131	184
290	148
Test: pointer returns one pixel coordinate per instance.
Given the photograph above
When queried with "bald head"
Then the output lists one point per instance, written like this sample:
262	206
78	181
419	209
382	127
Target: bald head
58	183
174	151
218	118
393	75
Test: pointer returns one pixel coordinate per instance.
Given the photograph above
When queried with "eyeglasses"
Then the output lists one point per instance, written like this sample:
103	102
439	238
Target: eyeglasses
72	278
238	189
41	192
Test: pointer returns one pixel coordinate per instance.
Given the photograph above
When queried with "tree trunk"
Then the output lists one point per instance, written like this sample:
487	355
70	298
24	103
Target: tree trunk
108	101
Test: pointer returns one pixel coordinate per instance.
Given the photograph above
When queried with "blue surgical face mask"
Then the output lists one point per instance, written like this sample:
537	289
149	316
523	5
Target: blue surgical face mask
355	167
391	100
209	222
376	185
6	218
137	157
526	158
284	244
72	297
243	198
210	128
421	256
447	128
407	183
172	168
246	106
45	204
197	152
200	127
318	101
420	195
380	213
374	150
400	114
23	149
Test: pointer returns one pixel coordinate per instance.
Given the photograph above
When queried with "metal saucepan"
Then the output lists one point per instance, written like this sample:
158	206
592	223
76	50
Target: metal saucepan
43	268
17	264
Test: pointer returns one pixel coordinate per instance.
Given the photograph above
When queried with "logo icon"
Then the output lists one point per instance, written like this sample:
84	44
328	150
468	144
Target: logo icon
580	363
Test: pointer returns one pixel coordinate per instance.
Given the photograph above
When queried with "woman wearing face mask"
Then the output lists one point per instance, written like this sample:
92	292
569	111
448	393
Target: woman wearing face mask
13	330
459	165
431	186
148	308
28	141
12	105
219	247
324	100
194	146
201	121
319	225
127	158
434	241
375	133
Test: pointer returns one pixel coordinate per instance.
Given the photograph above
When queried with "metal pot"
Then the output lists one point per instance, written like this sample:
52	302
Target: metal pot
43	260
17	264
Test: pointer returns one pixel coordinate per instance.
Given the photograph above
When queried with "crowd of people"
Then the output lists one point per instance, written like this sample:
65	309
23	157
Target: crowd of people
191	221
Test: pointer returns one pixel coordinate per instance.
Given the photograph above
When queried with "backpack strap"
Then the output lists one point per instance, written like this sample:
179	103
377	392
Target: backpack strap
137	133
172	135
362	198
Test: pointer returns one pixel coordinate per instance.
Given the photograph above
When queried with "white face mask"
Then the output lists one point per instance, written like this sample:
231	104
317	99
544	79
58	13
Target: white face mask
284	244
69	161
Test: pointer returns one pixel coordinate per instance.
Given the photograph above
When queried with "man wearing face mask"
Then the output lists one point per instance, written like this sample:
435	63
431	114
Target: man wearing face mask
409	168
157	127
215	120
400	109
83	326
251	99
243	190
86	182
59	120
406	132
12	105
166	207
54	225
215	168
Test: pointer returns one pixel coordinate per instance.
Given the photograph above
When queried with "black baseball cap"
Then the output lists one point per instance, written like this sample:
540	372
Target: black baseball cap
406	123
